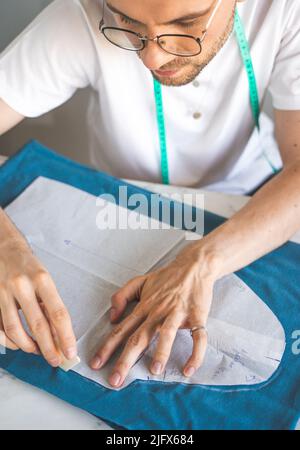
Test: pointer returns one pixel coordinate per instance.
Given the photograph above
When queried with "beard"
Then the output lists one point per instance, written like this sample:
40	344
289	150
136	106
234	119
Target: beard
194	68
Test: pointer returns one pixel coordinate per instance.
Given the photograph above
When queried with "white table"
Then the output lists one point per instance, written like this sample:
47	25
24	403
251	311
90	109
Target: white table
25	407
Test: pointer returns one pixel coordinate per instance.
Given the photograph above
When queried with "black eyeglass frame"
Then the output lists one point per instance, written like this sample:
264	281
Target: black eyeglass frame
145	39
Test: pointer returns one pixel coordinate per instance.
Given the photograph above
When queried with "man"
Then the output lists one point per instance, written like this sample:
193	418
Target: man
212	143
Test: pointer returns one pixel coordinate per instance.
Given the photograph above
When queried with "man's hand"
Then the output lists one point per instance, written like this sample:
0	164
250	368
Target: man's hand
176	296
25	284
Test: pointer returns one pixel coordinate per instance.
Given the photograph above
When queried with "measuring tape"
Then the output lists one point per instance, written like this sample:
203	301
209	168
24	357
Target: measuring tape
161	132
253	91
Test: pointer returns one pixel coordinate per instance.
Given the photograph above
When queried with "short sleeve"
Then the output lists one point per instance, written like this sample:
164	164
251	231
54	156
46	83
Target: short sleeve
285	80
49	61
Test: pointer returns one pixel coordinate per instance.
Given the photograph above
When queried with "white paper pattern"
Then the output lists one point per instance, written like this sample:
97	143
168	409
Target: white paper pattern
246	340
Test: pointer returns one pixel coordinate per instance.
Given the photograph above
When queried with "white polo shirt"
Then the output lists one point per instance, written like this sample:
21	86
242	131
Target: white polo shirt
212	141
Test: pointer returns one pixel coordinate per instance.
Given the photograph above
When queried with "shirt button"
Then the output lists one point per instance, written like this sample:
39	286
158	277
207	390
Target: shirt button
196	84
197	115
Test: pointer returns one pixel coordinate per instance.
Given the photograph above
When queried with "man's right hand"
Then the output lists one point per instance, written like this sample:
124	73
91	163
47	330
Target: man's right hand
25	284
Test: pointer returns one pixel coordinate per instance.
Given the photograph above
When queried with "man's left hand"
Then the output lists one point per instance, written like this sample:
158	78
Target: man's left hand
176	296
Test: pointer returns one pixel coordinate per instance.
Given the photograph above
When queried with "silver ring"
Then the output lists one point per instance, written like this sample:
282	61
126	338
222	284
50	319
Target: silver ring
196	329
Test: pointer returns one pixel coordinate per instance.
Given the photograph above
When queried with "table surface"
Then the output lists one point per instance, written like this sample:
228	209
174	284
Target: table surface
25	407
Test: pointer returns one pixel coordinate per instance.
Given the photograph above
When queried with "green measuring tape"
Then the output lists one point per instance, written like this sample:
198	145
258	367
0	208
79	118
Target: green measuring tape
161	132
253	91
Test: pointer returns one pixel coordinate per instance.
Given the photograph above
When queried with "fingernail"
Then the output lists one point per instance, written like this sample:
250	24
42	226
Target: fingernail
54	362
115	379
156	368
96	363
189	371
71	352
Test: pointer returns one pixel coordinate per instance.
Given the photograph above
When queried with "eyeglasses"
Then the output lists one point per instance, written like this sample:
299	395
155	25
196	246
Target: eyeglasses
184	45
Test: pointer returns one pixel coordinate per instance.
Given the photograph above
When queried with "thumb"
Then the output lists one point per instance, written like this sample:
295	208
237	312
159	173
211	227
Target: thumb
129	292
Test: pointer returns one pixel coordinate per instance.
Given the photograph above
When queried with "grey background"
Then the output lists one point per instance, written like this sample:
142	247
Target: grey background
63	128
60	129
15	15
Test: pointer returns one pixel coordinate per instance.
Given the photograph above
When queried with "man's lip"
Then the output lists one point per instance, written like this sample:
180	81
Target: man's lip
166	73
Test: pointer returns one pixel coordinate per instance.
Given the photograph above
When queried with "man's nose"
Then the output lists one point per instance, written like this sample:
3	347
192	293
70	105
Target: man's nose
154	57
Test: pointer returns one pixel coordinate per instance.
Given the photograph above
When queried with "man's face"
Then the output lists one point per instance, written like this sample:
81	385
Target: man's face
154	17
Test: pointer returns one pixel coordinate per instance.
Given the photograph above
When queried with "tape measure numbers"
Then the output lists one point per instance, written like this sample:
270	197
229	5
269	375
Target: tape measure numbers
253	90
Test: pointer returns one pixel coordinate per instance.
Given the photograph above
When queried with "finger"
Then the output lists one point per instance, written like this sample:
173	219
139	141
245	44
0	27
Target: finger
12	324
37	322
118	335
197	356
135	345
4	341
58	314
167	335
129	292
45	312
53	330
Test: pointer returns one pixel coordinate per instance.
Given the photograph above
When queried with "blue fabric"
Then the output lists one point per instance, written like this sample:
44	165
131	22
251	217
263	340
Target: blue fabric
274	404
